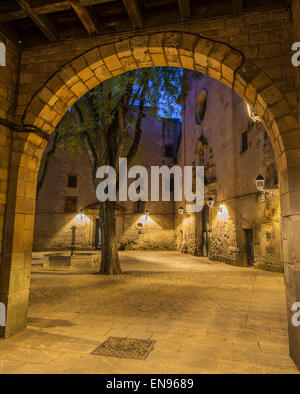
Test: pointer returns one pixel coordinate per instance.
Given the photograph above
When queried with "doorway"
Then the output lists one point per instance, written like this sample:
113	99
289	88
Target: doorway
248	247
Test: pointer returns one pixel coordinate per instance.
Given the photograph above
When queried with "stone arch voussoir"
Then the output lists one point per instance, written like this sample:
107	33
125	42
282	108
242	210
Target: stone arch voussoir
174	49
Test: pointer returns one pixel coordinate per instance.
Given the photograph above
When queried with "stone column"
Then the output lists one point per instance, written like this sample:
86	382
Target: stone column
296	37
8	96
290	207
18	230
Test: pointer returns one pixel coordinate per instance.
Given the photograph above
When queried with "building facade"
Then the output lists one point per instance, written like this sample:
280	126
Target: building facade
67	198
243	227
220	133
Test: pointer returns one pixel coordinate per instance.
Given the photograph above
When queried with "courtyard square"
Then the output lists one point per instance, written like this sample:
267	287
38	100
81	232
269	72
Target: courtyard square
205	316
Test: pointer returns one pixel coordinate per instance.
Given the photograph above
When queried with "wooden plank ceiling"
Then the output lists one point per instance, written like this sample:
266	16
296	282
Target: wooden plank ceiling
35	22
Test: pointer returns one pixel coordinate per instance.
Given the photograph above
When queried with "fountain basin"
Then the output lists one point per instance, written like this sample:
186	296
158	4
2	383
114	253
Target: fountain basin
61	261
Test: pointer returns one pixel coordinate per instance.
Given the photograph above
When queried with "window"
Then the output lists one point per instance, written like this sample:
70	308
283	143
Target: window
168	151
201	105
71	204
244	141
72	181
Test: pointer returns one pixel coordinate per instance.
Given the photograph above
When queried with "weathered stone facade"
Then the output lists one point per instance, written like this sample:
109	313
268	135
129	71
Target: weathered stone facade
53	225
7	100
230	174
11	245
249	52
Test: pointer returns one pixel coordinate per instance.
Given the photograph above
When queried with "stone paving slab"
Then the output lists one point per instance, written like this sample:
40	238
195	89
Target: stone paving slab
206	317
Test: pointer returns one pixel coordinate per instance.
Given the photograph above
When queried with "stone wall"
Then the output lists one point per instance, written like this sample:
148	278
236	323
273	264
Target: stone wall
52	223
265	38
8	97
230	176
53	77
53	226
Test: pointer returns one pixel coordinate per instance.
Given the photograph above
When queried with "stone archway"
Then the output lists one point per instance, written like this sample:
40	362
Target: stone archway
77	77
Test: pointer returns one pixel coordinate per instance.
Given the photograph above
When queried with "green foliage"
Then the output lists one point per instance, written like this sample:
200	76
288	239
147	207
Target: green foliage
164	88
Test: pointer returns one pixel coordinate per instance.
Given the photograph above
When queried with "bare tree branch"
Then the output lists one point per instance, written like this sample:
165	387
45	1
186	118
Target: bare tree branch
45	163
87	142
138	128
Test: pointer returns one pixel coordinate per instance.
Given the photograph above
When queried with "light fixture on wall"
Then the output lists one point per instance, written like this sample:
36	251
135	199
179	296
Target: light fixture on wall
81	218
260	185
252	114
147	214
182	212
211	205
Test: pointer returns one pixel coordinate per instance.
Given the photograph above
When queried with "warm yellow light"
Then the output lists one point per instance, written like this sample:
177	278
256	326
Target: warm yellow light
223	213
145	219
82	218
189	219
252	115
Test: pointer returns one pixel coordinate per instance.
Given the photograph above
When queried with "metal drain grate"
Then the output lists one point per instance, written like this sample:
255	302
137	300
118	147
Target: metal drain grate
137	349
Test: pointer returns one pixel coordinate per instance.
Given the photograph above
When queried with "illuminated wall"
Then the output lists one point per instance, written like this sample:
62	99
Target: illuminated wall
232	164
53	225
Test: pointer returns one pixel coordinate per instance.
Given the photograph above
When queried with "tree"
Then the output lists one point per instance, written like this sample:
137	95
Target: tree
107	122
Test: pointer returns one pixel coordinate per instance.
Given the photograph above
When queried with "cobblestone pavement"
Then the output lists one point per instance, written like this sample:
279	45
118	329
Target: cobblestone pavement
207	317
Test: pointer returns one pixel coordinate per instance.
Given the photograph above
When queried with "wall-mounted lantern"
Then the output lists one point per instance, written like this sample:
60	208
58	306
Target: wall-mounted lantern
182	212
260	185
211	205
210	202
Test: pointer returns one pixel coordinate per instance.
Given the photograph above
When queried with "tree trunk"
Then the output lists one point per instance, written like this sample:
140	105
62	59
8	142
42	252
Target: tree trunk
110	263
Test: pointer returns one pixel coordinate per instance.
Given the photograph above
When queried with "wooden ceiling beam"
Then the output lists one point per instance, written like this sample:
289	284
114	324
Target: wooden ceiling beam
41	21
6	15
184	9
134	12
85	17
237	6
10	34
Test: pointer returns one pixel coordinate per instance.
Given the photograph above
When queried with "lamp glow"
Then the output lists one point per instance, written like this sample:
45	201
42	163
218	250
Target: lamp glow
223	213
81	218
145	219
252	115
